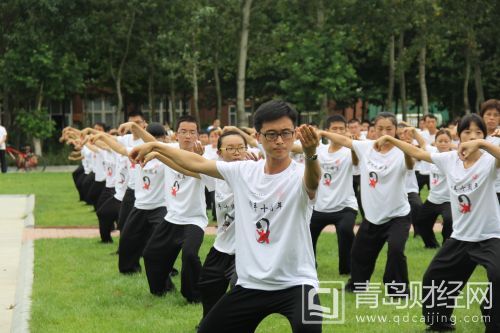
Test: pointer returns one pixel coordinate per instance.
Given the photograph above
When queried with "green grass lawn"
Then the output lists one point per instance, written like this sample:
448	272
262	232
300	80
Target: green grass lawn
77	286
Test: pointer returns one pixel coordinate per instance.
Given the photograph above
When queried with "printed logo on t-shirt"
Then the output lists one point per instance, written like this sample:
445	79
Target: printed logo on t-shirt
132	165
262	231
122	178
373	179
228	219
147	182
327	179
465	204
110	171
175	188
435	179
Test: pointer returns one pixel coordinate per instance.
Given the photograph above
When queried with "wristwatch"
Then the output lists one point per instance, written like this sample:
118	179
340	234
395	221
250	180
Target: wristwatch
312	158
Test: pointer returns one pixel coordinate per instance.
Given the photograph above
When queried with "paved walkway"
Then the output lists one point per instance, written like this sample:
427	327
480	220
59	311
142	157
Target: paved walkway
16	262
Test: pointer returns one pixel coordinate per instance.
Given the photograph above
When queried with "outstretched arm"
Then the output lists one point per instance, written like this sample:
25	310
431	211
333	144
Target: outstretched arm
110	141
407	148
171	164
312	172
338	139
136	130
185	159
467	148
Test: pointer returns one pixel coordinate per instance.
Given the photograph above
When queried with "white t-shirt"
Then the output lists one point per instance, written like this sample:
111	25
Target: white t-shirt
335	191
383	180
3	134
496	141
121	176
109	167
273	241
150	185
439	192
87	160
98	165
474	204
210	153
224	207
425	167
186	198
128	141
411	182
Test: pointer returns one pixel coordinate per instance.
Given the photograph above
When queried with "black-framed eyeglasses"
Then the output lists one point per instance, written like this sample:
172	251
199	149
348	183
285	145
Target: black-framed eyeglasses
273	136
232	150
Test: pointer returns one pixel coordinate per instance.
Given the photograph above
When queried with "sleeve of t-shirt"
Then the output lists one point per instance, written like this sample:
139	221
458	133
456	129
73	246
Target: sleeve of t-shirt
361	148
230	171
441	160
208	181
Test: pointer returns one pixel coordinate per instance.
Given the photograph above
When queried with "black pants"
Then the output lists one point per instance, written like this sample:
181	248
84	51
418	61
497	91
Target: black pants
107	214
356	184
87	184
106	193
422	180
210	202
368	243
344	224
3	161
456	261
77	179
128	202
241	310
415	208
161	251
216	274
95	192
80	181
136	233
425	222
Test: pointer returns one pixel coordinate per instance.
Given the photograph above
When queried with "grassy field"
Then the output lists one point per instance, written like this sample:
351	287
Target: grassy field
77	286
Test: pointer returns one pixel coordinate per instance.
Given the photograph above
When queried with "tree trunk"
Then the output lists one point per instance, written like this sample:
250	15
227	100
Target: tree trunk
173	120
151	96
421	80
466	80
119	95
218	92
402	78
37	142
195	92
240	97
479	86
392	69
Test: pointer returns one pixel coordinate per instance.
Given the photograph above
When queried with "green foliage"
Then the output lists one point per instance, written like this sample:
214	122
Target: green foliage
36	123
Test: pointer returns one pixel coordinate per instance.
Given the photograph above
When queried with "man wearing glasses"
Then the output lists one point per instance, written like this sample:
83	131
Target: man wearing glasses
274	260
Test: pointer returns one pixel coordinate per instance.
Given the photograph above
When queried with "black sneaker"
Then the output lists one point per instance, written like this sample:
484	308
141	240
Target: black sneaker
441	328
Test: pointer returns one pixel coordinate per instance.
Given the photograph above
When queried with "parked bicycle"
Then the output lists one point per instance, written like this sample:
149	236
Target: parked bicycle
26	159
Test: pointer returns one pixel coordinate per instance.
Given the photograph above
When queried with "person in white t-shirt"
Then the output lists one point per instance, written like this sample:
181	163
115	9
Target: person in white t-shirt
211	154
99	180
183	226
387	211
490	112
429	135
273	204
470	174
438	200
411	135
336	203
354	130
219	268
3	140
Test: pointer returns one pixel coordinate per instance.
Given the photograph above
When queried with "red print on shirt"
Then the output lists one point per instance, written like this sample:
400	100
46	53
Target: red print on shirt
327	179
175	188
147	182
465	204
263	231
373	179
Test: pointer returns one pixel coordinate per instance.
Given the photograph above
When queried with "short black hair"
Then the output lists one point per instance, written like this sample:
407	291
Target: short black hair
228	133
491	104
103	125
467	120
156	129
431	115
135	113
354	120
273	110
213	129
336	118
386	115
187	119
